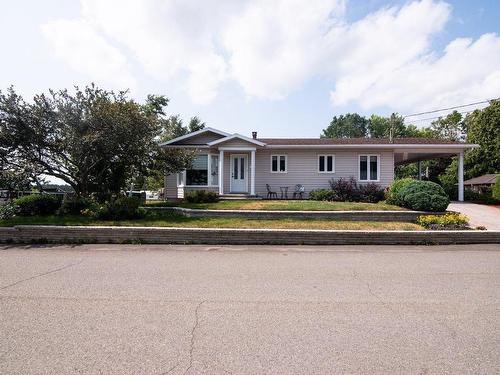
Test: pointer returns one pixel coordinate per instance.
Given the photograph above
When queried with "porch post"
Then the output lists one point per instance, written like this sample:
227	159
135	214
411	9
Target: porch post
252	173
221	172
461	176
419	163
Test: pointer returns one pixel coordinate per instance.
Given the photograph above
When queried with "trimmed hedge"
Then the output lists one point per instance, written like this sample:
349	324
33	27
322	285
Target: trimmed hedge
121	208
496	189
423	196
74	205
322	195
201	196
392	194
37	204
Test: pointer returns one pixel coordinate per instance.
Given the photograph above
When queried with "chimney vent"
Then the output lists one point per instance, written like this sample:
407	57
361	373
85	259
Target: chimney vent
254	135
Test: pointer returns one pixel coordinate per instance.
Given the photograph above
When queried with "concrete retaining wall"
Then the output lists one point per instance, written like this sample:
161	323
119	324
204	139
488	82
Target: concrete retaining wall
400	216
102	234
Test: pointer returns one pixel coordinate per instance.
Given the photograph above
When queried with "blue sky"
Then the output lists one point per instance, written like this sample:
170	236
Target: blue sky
282	68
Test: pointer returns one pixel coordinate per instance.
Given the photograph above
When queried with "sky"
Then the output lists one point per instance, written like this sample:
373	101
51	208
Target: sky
282	68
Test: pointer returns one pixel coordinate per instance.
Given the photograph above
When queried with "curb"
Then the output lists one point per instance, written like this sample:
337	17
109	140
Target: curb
230	236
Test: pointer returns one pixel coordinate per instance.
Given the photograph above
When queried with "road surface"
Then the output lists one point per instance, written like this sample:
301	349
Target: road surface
137	309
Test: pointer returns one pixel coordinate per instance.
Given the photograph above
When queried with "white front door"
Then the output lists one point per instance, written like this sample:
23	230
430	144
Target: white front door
239	173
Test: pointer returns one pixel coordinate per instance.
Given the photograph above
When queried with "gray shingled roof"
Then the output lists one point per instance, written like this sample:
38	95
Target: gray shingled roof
486	179
355	141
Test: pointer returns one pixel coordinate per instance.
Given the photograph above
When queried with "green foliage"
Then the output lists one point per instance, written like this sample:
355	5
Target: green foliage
350	125
483	198
450	127
446	220
201	196
8	210
120	208
37	204
392	196
496	189
74	205
322	195
423	196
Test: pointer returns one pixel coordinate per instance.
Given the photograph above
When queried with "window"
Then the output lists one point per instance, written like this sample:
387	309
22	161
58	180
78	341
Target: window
198	173
279	163
326	163
369	166
214	170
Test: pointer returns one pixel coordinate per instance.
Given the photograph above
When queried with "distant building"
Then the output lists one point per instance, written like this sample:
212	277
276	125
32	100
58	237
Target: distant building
481	184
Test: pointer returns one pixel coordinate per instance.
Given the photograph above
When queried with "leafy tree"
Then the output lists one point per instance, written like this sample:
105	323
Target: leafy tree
450	127
93	140
195	124
350	125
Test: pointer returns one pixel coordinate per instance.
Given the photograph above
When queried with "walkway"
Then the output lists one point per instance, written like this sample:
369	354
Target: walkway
479	214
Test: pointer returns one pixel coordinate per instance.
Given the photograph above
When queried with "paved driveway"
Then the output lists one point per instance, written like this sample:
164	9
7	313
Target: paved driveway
249	310
479	214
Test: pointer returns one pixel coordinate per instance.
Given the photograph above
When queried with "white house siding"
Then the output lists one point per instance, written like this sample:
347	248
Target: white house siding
302	168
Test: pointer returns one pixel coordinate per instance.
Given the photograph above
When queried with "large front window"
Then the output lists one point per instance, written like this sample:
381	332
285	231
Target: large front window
369	167
198	173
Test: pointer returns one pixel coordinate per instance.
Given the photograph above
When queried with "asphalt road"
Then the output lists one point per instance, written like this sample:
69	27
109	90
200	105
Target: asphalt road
249	310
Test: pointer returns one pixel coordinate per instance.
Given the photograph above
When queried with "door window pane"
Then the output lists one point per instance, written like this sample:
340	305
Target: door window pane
242	168
363	168
198	173
321	163
373	168
235	168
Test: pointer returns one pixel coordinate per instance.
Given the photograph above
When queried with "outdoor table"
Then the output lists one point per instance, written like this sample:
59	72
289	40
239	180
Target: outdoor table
284	191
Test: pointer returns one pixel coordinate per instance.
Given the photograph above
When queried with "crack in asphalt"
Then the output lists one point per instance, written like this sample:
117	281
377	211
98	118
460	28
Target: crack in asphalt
41	274
193	331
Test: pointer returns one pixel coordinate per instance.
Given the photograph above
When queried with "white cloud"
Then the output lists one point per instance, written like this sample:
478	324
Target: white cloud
271	48
84	50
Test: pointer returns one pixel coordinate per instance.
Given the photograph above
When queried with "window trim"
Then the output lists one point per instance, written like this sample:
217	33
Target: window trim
326	163
278	156
368	167
209	165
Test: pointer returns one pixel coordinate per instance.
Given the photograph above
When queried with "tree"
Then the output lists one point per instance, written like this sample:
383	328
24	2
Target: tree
450	127
350	125
93	140
195	124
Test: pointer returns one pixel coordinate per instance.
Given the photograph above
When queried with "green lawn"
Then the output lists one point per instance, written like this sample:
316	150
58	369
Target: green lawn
173	220
285	205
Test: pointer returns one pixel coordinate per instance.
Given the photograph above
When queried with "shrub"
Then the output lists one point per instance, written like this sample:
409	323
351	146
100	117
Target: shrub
322	195
8	210
43	204
397	185
423	196
345	190
371	193
484	198
119	208
496	189
201	196
74	205
450	220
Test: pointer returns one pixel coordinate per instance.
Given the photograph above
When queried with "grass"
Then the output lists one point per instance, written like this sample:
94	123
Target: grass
173	220
282	205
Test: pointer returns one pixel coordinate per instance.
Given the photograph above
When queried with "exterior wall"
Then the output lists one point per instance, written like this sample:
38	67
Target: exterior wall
302	168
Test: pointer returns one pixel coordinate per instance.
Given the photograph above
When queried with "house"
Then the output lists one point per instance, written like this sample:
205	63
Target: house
482	184
236	164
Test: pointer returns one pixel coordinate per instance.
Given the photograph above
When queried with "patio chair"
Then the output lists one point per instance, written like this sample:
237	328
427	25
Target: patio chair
299	191
270	193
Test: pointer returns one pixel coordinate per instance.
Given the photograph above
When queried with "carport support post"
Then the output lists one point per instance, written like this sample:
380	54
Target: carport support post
419	164
252	173
461	176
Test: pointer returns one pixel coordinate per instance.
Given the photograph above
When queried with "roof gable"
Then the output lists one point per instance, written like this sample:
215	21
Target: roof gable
237	137
200	137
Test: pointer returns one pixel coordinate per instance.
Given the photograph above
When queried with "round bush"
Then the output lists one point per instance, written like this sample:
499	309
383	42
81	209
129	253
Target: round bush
31	205
121	208
423	196
322	195
397	185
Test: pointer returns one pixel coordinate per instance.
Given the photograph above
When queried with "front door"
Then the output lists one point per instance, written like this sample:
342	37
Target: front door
239	172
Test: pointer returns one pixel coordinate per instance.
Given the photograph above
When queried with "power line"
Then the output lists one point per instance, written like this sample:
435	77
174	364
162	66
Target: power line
450	108
436	117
